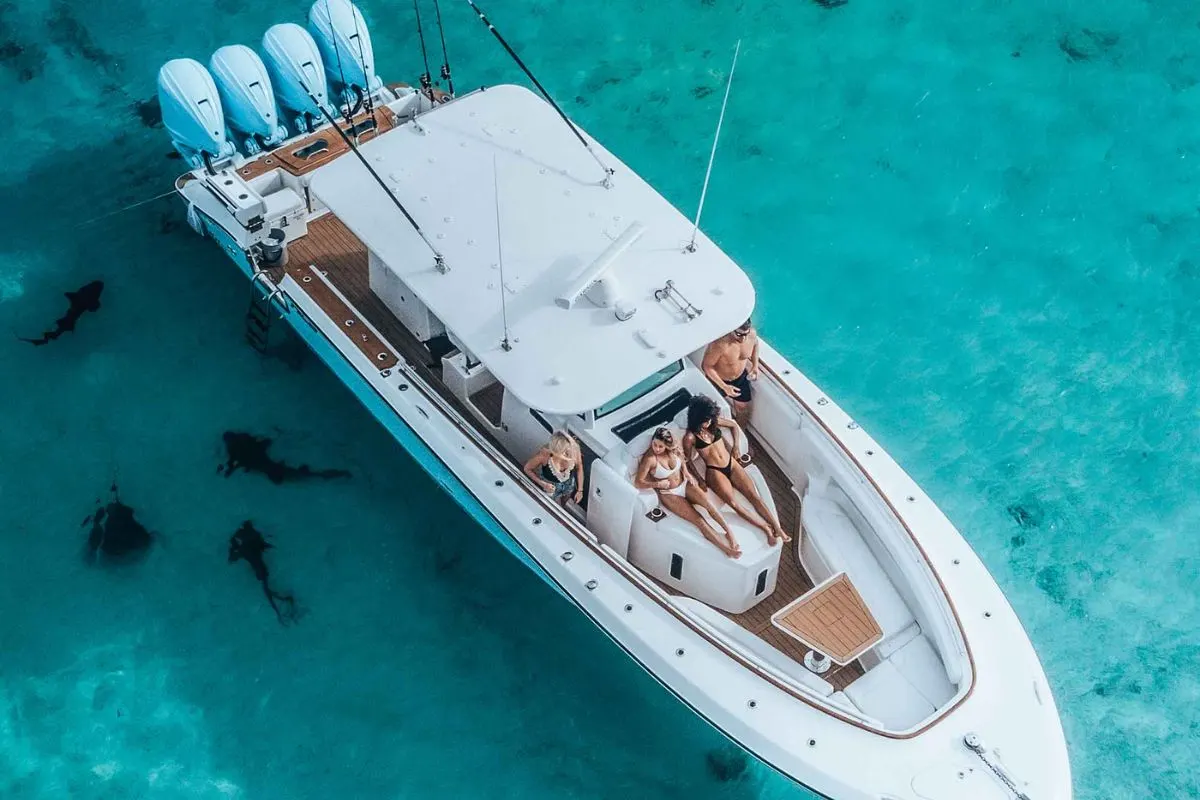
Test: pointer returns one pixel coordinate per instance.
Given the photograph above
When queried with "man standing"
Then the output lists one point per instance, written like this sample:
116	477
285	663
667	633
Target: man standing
731	362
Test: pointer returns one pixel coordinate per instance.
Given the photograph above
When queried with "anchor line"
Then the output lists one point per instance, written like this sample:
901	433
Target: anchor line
437	10
438	259
608	171
974	744
426	78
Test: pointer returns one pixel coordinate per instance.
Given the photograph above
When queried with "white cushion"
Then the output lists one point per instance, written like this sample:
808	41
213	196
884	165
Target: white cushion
921	666
842	548
285	201
889	646
885	694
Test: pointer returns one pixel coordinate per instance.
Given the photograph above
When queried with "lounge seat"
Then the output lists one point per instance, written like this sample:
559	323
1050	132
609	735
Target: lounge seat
905	688
672	550
833	544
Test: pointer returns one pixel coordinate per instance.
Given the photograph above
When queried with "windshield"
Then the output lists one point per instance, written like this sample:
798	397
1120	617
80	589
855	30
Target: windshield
642	387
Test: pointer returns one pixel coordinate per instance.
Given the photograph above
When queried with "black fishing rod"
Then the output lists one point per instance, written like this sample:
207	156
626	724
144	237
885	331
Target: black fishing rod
608	172
362	62
426	78
439	261
338	52
437	9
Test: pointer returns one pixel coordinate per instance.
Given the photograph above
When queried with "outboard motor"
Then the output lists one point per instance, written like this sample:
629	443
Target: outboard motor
247	96
341	34
192	113
295	66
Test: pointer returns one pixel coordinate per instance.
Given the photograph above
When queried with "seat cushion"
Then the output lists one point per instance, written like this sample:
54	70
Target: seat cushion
921	667
886	694
842	548
284	201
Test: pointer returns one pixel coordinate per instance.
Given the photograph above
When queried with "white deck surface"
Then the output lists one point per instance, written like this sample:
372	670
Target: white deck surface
556	219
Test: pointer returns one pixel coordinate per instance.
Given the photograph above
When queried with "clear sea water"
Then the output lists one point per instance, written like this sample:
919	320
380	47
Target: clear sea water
973	222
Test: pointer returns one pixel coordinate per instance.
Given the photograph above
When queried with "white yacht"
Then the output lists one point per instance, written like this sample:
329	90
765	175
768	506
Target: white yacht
481	272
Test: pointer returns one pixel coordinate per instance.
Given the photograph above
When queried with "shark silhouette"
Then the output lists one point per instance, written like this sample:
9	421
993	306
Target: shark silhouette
249	545
116	534
249	452
83	300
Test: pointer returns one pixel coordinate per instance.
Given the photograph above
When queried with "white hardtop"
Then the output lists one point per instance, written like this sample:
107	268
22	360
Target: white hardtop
556	221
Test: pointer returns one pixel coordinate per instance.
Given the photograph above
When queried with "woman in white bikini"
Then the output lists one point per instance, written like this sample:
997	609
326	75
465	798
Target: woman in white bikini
661	469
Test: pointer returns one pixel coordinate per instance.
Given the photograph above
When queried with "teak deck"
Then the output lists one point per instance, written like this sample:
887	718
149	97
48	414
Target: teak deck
334	146
833	619
342	259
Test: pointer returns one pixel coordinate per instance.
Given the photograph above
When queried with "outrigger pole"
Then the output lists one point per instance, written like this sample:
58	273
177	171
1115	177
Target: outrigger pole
691	246
439	261
608	171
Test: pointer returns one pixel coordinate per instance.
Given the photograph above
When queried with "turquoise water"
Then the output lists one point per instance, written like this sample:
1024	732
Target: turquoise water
974	223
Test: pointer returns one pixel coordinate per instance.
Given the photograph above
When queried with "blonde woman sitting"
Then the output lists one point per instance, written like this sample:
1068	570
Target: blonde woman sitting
661	469
558	468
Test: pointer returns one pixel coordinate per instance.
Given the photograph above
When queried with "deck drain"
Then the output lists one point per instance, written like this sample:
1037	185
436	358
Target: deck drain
679	652
628	607
499	483
349	323
870	452
537	520
381	356
812	742
852	426
306	279
385	372
567	556
911	499
591	585
987	615
752	704
822	401
956	562
403	387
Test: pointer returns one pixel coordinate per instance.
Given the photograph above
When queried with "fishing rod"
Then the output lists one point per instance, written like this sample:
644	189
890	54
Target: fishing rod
426	78
437	9
362	62
439	261
608	171
338	52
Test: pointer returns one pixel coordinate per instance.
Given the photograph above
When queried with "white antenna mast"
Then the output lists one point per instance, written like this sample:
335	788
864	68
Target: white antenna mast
505	344
691	246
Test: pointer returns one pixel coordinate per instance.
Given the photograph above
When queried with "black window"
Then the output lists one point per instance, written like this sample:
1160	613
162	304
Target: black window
677	566
761	586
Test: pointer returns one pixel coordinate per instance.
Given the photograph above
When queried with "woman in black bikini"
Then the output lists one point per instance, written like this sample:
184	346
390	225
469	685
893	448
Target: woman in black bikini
723	472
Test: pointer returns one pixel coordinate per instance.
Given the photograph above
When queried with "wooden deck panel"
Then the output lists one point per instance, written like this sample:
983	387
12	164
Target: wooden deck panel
489	401
285	157
834	619
343	259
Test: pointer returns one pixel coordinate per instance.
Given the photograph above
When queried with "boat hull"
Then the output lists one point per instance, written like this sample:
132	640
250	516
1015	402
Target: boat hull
653	645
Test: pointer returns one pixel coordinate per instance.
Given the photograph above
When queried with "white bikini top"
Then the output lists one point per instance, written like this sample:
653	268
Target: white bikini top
661	473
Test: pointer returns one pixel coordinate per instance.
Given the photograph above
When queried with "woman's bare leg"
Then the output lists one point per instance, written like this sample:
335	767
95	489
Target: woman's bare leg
699	499
741	482
682	508
724	489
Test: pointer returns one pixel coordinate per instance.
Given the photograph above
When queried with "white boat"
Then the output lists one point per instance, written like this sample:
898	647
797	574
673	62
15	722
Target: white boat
480	273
